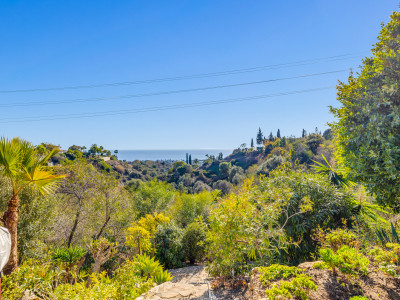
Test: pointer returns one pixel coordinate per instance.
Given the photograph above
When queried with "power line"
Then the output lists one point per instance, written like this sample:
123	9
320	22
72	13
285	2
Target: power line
159	108
164	92
195	76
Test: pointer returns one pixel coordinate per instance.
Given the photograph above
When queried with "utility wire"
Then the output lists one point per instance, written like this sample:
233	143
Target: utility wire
163	92
159	108
195	76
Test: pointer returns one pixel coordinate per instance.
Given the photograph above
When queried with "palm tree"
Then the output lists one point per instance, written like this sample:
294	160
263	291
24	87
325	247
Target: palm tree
24	167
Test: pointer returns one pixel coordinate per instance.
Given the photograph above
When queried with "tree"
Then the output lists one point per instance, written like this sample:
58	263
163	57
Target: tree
278	134
252	143
190	159
187	158
368	126
313	141
260	137
24	167
328	134
283	142
271	137
304	133
224	168
221	156
78	190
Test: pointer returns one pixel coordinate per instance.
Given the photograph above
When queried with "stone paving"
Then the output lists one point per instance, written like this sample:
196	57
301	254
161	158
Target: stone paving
188	283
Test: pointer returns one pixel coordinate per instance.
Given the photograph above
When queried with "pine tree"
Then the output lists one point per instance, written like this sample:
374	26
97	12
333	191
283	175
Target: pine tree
271	137
259	138
252	143
278	134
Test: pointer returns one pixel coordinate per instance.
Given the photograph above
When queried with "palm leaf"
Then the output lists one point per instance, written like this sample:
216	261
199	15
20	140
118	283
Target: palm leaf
334	175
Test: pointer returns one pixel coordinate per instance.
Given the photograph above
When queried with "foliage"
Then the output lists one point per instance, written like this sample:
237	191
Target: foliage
348	260
299	287
388	259
168	243
241	230
194	240
358	298
305	201
68	256
385	238
151	197
369	119
141	235
276	272
46	280
187	207
224	169
340	237
334	175
40	278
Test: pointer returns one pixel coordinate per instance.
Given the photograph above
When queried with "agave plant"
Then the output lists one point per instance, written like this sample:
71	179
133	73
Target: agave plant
68	256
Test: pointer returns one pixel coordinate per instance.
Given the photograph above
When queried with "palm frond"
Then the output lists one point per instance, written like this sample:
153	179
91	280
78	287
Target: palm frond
334	176
10	155
45	181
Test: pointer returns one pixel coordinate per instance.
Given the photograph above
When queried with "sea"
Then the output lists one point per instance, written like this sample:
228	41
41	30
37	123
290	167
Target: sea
169	155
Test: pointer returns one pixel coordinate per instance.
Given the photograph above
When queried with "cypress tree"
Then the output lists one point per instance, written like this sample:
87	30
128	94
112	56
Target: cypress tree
271	137
252	143
278	134
190	159
259	138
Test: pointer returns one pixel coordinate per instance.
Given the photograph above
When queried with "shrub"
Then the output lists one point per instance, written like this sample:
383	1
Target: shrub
348	260
223	185
187	207
340	237
193	240
388	259
276	272
299	287
169	249
37	277
311	201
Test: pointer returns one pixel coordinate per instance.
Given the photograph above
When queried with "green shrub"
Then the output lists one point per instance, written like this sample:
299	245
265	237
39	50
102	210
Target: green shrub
68	256
348	260
169	249
340	237
37	277
388	259
299	287
193	240
276	272
358	298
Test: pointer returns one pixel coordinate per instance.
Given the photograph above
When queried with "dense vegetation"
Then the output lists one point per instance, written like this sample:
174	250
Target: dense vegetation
93	228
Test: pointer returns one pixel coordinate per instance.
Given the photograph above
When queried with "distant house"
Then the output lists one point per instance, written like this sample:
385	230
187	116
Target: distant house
105	158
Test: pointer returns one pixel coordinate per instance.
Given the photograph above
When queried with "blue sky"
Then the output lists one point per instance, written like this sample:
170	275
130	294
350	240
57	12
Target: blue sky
47	44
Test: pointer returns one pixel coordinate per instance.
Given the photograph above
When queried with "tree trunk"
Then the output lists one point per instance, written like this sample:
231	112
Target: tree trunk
10	220
71	235
103	227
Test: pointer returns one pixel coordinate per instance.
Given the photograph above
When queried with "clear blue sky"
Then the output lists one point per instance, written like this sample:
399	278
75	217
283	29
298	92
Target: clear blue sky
68	43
